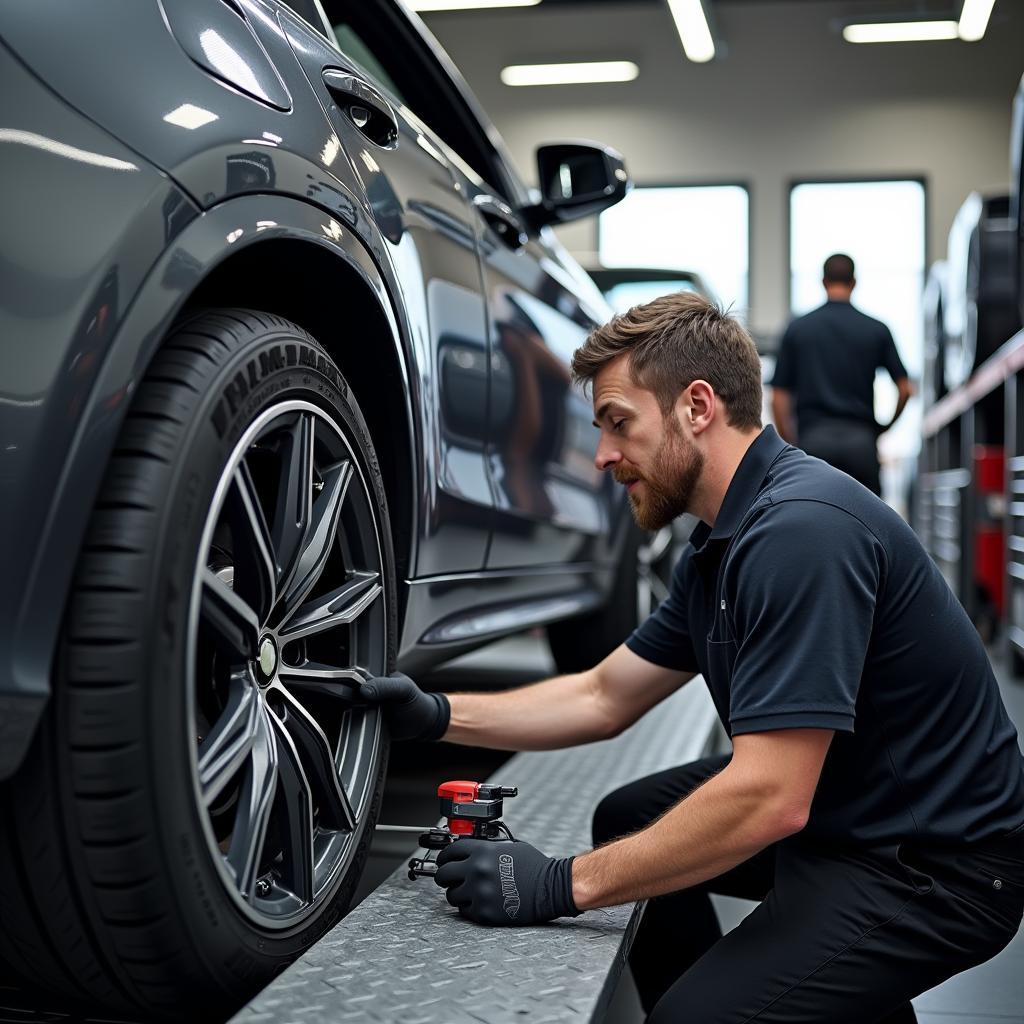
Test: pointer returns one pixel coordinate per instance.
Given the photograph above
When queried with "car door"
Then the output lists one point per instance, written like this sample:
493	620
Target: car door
428	227
551	503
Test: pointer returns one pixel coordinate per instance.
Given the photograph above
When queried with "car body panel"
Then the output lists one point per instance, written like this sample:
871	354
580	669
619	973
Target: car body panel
551	497
124	206
71	269
427	235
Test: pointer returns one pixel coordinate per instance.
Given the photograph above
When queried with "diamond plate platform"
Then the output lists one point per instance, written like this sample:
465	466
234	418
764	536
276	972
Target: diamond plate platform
404	955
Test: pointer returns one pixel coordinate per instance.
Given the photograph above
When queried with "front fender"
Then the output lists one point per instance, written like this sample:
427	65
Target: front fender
27	658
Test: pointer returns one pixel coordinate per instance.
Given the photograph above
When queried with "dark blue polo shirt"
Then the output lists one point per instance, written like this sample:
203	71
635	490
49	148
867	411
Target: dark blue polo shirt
812	604
828	359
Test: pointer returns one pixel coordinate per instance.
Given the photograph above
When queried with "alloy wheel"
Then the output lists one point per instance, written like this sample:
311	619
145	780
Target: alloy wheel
654	561
288	618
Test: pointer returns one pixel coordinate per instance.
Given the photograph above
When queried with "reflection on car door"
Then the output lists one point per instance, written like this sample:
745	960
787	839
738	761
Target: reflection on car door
429	230
551	502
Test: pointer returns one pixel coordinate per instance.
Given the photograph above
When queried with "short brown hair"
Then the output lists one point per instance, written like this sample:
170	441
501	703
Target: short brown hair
673	341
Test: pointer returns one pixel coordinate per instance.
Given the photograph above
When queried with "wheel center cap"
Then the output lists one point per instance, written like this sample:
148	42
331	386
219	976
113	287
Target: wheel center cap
267	660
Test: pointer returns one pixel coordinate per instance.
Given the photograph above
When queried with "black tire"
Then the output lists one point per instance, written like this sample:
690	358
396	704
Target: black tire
112	895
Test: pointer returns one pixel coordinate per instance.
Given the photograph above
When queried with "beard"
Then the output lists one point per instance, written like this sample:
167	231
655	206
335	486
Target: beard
667	487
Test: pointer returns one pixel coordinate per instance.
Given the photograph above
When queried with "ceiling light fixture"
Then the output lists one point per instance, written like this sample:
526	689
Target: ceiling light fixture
901	32
694	32
467	5
570	74
974	19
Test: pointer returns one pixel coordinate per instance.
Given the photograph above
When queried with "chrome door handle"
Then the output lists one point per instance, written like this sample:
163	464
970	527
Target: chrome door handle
503	220
365	106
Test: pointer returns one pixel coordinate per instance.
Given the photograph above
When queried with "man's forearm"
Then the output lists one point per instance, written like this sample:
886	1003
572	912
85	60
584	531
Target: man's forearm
901	404
906	392
559	712
721	824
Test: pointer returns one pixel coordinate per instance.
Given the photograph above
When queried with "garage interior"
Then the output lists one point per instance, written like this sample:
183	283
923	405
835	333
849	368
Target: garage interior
785	101
755	151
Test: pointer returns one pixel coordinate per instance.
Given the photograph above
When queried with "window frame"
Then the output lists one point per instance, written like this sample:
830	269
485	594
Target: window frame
321	26
745	184
855	179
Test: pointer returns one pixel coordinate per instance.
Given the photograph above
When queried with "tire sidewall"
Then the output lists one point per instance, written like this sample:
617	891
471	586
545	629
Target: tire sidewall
277	367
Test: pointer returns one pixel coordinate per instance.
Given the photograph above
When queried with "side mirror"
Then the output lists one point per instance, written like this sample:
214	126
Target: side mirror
577	179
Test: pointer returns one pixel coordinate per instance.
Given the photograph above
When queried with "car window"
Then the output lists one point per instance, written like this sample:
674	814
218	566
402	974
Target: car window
383	43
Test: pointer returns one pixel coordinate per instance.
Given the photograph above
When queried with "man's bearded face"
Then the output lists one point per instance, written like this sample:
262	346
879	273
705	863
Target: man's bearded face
665	489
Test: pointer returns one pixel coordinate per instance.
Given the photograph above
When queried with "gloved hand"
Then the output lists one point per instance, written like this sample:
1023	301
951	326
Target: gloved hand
410	713
500	882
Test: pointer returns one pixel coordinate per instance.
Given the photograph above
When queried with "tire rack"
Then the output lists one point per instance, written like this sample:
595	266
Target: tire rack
988	410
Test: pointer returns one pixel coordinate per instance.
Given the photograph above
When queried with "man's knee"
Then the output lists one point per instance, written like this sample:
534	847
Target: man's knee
614	816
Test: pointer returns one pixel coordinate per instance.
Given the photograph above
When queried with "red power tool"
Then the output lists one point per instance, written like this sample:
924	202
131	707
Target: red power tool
472	809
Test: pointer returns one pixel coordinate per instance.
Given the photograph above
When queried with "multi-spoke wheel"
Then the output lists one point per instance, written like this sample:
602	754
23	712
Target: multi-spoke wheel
290	598
656	557
200	799
642	581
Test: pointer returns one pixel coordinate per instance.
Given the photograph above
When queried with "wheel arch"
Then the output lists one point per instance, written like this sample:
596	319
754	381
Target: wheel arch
213	250
314	287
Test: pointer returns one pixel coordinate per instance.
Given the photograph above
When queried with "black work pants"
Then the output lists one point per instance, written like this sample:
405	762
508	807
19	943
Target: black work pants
849	445
842	934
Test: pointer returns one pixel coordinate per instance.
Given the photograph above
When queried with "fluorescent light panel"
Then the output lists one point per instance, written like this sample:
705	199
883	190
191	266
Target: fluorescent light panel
570	74
974	19
901	32
467	5
692	26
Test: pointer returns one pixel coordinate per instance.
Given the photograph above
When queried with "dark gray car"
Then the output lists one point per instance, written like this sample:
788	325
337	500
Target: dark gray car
284	401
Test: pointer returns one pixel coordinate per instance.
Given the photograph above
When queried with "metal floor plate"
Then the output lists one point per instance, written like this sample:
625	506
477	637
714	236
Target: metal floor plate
405	955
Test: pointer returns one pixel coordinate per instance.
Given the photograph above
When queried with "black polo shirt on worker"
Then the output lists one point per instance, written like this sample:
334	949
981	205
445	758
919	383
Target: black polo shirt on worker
812	604
828	359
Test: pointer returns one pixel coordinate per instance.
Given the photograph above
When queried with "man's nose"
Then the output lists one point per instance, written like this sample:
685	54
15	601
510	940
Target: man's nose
607	455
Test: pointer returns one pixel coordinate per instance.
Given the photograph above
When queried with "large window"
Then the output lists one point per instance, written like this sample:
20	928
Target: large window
881	224
701	228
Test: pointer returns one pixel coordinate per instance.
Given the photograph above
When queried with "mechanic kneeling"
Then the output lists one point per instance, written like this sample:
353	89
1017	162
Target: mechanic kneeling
874	798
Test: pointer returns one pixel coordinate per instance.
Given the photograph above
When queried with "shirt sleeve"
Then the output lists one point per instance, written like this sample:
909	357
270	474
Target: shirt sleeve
890	358
803	583
785	363
664	638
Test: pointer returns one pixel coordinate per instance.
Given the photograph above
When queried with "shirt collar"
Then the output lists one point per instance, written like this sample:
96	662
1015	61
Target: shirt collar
743	488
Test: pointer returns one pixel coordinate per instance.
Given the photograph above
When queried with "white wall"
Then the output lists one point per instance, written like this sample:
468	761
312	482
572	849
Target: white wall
789	100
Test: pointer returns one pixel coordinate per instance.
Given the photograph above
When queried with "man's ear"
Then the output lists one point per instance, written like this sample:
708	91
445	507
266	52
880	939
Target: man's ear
699	405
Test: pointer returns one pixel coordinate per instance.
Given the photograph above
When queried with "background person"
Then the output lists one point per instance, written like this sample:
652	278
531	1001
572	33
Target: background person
826	369
874	795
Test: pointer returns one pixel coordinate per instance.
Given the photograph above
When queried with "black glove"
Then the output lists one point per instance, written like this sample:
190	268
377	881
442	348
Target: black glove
499	882
410	713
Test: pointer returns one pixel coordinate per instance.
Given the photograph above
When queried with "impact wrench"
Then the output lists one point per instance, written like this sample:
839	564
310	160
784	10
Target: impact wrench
471	809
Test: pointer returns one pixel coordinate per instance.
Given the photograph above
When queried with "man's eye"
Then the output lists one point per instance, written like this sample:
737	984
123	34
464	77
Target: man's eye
617	425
